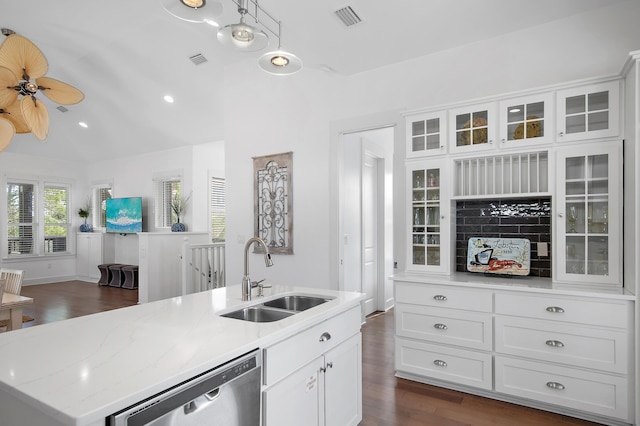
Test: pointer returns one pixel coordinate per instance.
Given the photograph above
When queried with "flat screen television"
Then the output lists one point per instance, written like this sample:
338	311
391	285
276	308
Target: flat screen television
124	215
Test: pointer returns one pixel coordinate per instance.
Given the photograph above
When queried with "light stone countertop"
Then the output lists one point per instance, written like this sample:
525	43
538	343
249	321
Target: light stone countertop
81	370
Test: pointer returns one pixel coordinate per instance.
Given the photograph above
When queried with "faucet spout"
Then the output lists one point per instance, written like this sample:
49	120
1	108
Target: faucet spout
246	281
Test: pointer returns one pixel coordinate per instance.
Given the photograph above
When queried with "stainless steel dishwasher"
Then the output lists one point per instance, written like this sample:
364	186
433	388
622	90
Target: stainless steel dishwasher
228	395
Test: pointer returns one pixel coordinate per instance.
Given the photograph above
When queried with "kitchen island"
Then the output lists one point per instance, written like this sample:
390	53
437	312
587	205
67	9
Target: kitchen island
81	370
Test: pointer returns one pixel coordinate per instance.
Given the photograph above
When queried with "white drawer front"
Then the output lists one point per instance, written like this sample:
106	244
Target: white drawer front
287	356
578	346
444	297
450	326
593	392
444	363
610	313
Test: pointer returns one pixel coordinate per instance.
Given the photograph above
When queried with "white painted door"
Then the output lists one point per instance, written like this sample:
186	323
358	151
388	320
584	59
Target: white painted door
370	232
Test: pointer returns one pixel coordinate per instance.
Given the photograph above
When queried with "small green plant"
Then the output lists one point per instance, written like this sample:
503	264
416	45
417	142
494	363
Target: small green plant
85	211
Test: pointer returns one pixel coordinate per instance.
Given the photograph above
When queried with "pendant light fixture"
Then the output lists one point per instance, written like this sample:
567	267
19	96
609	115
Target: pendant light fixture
280	62
242	36
194	10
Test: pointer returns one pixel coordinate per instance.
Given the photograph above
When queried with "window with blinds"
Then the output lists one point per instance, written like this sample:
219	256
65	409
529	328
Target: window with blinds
37	218
99	205
166	190
217	208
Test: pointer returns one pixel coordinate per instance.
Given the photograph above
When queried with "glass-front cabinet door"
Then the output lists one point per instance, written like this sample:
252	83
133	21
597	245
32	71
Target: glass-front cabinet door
472	128
589	112
429	230
426	134
526	121
589	219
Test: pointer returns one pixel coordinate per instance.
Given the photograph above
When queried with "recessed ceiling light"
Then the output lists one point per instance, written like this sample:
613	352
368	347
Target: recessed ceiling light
83	124
168	99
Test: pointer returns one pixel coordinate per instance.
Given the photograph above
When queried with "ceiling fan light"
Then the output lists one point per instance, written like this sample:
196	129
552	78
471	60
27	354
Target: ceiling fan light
280	62
193	10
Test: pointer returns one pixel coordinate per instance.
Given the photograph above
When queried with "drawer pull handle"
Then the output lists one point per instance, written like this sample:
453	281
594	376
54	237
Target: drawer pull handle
555	343
440	297
440	326
555	309
325	336
440	363
555	385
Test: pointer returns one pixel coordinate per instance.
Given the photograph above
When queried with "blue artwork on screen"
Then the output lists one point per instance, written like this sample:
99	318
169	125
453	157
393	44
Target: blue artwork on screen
124	215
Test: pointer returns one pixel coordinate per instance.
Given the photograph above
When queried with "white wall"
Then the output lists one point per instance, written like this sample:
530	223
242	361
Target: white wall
301	113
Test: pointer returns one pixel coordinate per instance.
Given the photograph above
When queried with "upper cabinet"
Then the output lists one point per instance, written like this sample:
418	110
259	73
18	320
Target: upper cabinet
472	127
588	112
426	134
526	121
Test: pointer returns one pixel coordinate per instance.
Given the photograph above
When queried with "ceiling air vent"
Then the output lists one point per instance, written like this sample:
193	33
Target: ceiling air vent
198	59
348	16
62	109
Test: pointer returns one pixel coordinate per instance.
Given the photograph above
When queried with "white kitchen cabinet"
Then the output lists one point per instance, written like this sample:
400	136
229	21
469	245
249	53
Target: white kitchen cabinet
316	375
527	121
93	249
570	353
426	134
588	206
473	128
588	112
429	236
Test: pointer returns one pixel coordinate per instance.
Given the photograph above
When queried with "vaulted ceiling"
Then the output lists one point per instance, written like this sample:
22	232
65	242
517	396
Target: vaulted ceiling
127	55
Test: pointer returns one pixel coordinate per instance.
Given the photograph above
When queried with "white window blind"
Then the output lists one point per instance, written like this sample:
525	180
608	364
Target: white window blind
21	225
166	190
217	206
56	218
99	205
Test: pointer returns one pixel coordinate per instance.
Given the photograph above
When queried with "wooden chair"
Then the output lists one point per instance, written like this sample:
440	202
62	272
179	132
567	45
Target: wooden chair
13	285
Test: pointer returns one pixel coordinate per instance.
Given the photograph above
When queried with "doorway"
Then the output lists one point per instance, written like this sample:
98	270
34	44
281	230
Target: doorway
366	211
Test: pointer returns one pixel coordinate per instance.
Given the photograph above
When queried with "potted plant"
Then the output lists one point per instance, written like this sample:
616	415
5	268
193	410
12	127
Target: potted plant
84	213
178	205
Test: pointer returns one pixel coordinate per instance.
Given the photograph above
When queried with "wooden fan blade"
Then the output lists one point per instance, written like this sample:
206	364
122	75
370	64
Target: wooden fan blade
58	91
7	131
8	80
13	113
36	116
18	53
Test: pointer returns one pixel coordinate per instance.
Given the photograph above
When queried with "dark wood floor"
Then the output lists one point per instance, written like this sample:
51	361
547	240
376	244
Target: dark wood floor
387	400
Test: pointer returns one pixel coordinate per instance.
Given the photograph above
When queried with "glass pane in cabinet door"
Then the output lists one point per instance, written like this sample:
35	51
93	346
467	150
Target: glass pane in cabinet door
575	168
515	114
433	126
418	217
433	141
433	256
598	101
417	143
418	255
417	128
463	132
576	124
598	259
433	178
598	166
598	121
418	195
575	104
598	217
418	179
575	218
575	255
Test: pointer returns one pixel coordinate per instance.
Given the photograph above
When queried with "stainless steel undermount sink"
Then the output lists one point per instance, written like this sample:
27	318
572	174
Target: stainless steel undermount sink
296	303
277	309
259	314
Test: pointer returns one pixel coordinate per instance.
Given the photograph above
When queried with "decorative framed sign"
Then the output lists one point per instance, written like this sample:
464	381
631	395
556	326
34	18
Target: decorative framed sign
273	202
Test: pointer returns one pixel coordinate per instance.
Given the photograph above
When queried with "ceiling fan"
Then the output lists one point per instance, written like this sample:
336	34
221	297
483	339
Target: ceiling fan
22	74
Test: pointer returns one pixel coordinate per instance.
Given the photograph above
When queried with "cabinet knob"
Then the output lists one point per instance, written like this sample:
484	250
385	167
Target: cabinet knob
555	385
555	309
440	363
561	134
440	297
503	140
325	336
555	343
560	214
440	326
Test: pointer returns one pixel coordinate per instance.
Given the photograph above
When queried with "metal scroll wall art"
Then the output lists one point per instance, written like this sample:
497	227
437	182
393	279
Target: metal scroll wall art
273	198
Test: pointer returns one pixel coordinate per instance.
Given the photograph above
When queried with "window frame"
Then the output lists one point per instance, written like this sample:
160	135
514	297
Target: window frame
38	224
164	191
99	194
217	190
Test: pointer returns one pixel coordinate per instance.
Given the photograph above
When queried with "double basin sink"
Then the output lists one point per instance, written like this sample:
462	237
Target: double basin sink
277	309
